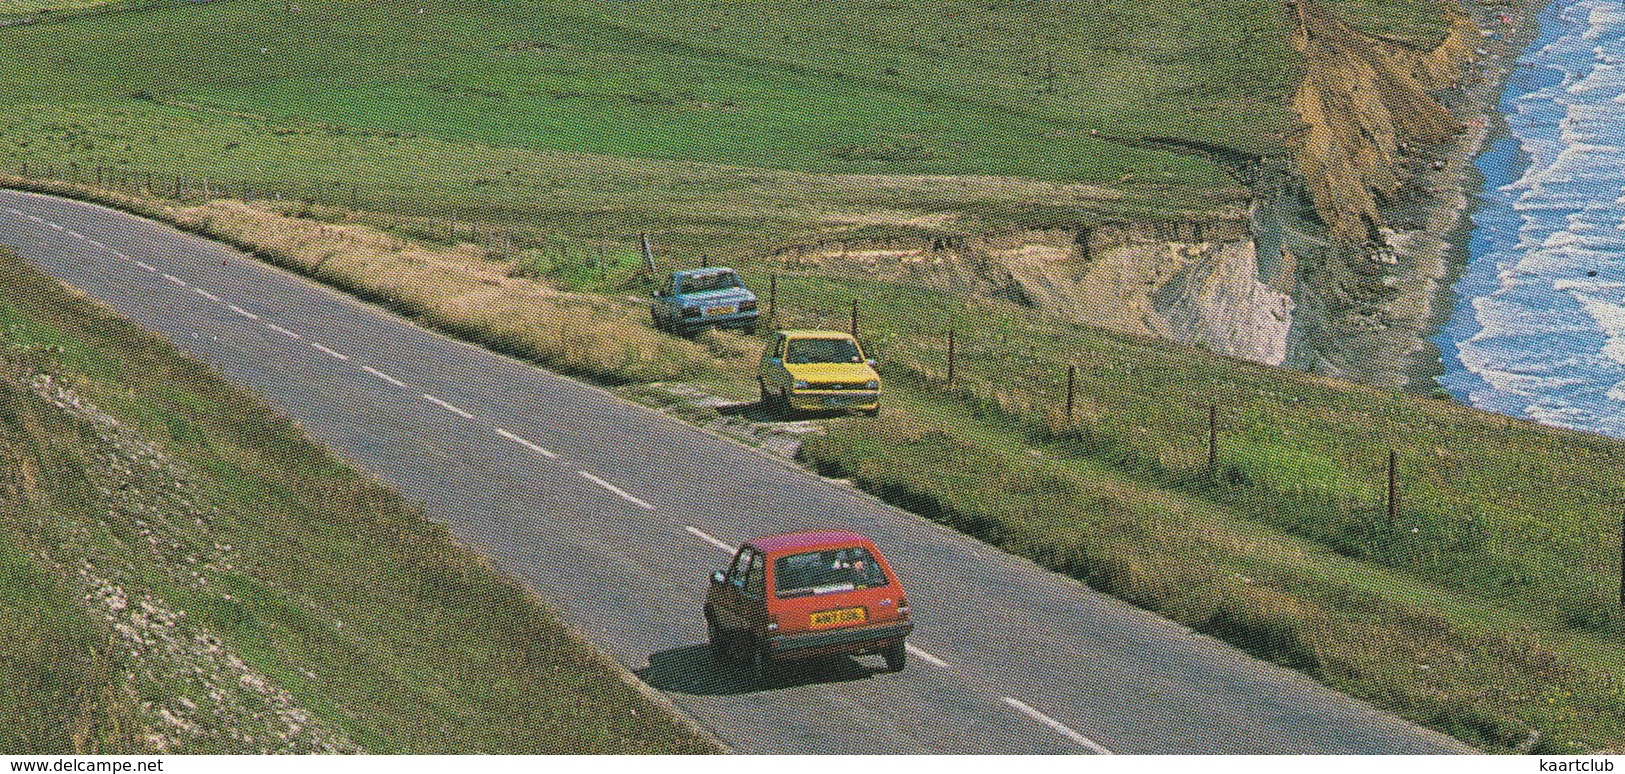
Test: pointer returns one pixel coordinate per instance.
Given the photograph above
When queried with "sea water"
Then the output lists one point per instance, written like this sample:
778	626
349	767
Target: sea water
1539	323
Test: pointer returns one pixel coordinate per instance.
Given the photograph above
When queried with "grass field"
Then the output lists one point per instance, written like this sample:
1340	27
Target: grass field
716	125
366	613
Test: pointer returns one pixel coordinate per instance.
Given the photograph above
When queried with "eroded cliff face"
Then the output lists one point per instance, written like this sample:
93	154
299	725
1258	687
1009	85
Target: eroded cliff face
1194	283
1314	276
1362	103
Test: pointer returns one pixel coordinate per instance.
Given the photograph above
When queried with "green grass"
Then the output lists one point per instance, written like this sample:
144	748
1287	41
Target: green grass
716	125
21	7
1447	658
369	614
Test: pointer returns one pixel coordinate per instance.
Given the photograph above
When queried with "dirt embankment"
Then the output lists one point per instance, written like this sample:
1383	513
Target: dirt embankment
1355	233
1197	283
1363	104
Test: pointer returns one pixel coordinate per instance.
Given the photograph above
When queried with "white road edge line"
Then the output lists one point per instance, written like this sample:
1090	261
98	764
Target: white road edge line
206	294
326	351
527	444
926	657
1056	726
283	331
176	280
381	375
448	407
699	533
242	311
617	490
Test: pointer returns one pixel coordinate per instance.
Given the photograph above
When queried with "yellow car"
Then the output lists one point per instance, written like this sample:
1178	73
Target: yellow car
818	371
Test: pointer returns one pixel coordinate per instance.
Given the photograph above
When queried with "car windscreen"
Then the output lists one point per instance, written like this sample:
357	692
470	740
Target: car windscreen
822	351
700	283
826	572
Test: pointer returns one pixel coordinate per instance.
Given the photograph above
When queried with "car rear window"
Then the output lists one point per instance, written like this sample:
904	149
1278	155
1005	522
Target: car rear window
703	282
826	572
822	351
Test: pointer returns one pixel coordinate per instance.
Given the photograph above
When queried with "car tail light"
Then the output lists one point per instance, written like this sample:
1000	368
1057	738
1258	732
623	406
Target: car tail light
772	622
902	608
746	306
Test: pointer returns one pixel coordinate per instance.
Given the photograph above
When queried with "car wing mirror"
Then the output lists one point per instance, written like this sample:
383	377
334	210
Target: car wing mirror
870	362
719	577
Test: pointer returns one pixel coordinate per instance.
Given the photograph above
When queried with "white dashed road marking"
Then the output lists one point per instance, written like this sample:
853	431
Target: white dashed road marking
206	294
283	331
701	534
175	279
617	490
381	375
448	407
527	444
147	266
242	311
55	226
326	351
1056	725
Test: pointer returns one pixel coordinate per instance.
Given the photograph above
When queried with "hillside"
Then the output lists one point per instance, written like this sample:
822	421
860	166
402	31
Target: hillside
707	121
186	572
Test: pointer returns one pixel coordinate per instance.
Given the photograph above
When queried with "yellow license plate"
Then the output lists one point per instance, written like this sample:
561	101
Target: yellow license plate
848	615
720	310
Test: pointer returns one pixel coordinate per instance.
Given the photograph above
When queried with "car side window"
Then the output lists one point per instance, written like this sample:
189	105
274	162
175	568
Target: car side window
756	577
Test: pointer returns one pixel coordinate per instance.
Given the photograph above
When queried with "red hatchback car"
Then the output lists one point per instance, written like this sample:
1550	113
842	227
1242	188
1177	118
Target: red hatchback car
804	595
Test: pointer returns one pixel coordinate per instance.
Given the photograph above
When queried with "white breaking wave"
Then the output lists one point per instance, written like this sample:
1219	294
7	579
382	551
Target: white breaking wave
1539	329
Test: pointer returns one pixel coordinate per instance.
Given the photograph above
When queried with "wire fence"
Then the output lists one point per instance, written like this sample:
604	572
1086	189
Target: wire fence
1105	405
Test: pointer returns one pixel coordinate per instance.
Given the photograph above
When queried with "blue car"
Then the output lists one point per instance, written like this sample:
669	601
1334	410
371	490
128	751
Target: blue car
694	300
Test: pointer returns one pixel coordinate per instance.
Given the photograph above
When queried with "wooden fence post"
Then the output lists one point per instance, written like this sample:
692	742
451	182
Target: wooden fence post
648	254
1213	441
1393	489
854	318
950	358
1071	390
773	298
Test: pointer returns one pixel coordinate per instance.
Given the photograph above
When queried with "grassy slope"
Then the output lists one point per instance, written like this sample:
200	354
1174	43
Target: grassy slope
437	653
489	107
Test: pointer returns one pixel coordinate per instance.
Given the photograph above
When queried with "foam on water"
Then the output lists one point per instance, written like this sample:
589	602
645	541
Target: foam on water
1539	326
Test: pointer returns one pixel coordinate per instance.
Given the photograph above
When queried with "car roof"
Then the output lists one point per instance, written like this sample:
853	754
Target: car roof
812	334
705	272
808	540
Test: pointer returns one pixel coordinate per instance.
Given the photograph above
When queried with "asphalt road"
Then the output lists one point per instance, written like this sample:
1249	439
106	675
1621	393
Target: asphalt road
617	515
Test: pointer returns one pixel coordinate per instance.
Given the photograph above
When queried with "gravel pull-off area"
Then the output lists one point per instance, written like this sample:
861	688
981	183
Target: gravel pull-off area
196	693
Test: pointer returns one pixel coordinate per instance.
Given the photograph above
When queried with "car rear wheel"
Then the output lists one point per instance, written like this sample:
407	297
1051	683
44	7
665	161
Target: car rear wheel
896	656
